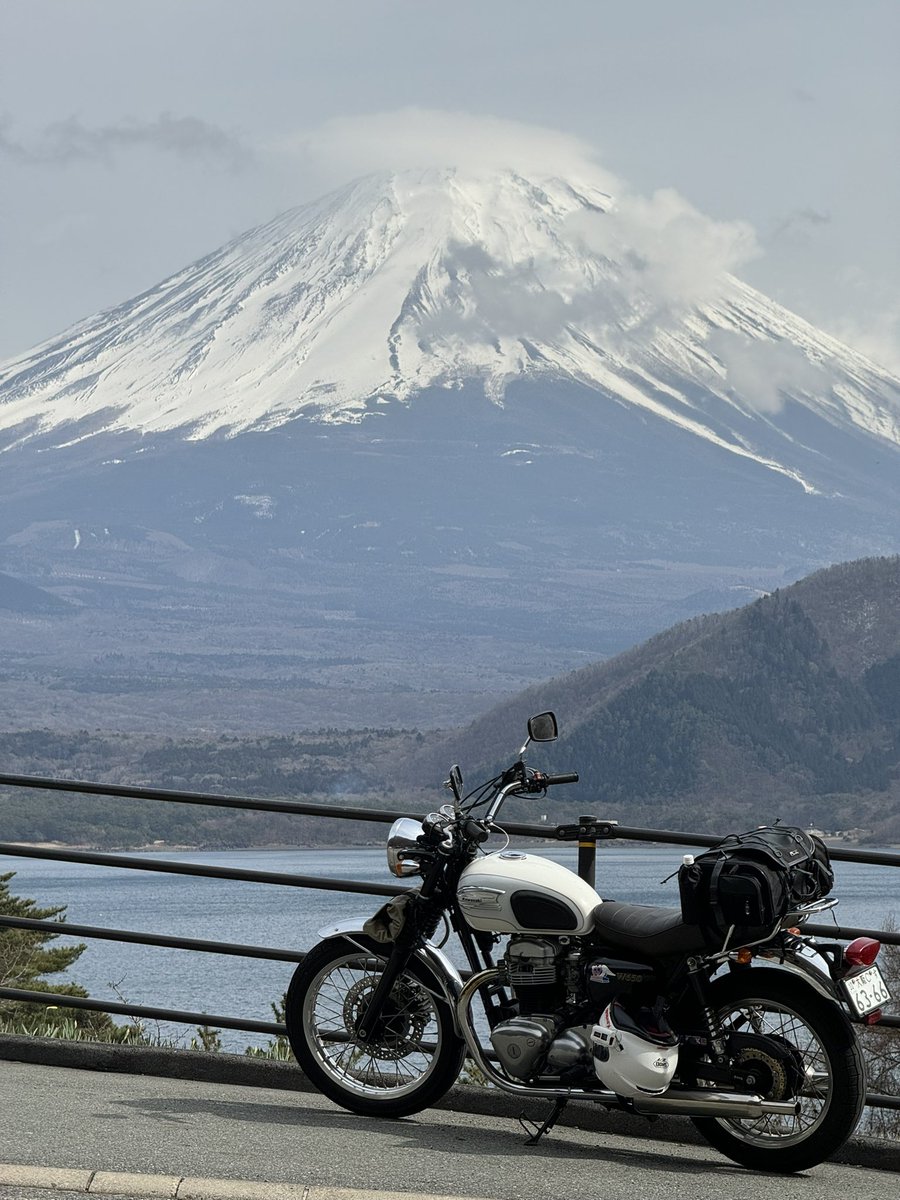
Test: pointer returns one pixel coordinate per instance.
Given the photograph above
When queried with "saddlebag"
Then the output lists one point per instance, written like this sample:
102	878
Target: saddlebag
739	890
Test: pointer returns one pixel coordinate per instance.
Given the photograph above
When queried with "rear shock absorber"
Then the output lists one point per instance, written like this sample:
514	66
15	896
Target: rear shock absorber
716	1042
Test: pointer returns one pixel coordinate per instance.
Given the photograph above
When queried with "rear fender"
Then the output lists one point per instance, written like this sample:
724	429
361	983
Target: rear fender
447	979
801	961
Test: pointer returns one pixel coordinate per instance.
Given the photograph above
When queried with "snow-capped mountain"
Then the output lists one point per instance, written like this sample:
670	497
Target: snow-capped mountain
402	283
446	433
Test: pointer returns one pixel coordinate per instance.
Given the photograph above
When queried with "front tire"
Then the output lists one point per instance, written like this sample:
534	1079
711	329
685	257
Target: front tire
826	1072
415	1055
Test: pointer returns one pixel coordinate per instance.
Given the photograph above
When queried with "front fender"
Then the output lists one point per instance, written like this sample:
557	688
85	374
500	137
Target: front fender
436	963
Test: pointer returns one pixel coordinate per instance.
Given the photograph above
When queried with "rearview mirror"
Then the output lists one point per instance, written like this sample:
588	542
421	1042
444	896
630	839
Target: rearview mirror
543	727
455	783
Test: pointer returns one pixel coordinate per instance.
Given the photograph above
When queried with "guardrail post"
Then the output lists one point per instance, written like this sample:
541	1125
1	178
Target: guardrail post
587	849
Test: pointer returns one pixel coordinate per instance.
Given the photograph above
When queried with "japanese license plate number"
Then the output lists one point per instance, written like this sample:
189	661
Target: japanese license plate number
866	991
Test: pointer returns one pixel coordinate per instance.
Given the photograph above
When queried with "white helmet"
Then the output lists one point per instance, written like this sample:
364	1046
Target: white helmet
633	1058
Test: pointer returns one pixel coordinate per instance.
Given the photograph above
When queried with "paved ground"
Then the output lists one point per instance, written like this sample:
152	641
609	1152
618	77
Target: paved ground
214	1141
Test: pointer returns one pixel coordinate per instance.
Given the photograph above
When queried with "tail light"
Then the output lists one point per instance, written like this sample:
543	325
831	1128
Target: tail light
862	952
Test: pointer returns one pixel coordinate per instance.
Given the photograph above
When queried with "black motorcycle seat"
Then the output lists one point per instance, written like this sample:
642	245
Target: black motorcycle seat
657	932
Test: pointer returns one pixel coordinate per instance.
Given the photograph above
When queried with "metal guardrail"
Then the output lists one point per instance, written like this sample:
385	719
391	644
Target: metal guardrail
587	832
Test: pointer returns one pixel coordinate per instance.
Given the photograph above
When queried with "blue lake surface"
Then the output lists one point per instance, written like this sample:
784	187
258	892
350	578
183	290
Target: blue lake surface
290	918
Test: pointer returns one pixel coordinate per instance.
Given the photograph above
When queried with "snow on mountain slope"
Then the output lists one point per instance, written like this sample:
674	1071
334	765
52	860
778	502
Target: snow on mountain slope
400	283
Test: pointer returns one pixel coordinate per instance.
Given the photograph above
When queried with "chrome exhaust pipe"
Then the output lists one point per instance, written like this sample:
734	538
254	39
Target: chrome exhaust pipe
676	1103
713	1104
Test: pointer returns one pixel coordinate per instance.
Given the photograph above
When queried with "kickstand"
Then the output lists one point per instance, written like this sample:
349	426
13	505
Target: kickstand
537	1132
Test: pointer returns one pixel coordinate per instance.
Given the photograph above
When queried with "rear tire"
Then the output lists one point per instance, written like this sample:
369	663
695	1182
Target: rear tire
415	1055
826	1059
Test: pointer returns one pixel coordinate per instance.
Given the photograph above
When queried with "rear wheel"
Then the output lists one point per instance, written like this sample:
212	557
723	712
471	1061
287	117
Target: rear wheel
796	1045
414	1054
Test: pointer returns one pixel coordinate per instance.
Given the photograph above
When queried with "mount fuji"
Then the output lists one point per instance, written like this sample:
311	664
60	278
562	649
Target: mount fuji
423	441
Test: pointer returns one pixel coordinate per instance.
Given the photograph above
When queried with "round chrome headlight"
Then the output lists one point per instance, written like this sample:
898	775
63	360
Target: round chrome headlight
404	853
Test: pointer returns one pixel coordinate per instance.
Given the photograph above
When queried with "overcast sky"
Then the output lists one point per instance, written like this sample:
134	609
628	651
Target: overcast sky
136	136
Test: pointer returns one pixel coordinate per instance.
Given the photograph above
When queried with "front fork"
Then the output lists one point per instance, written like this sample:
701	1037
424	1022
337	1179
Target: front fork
422	918
397	962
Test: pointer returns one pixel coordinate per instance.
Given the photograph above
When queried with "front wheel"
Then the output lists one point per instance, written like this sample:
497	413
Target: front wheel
795	1045
414	1055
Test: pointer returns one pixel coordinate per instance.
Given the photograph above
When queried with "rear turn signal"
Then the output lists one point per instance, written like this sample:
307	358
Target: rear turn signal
862	952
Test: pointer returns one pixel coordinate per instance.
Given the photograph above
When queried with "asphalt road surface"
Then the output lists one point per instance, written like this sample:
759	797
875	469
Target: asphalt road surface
91	1121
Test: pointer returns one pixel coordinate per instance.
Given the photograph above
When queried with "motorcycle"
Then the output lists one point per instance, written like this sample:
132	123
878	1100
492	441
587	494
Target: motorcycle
626	1006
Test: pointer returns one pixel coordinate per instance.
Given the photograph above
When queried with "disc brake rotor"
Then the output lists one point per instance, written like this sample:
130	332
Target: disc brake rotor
398	1031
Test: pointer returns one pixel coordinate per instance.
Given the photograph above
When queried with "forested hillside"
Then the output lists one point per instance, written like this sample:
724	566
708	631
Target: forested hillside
787	708
324	767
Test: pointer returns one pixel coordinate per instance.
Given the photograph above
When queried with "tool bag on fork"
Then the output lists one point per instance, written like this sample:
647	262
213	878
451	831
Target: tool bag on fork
741	888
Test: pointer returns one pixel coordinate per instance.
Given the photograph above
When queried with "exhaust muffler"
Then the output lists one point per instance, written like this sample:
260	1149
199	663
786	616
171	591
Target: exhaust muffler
713	1104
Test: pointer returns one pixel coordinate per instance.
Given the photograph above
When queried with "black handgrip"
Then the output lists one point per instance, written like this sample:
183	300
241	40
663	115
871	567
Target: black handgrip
549	780
475	831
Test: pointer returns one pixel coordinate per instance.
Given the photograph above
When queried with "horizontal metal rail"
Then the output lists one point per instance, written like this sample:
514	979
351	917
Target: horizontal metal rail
178	1017
168	867
596	827
65	928
593	827
846	933
213	799
587	830
197	945
252	803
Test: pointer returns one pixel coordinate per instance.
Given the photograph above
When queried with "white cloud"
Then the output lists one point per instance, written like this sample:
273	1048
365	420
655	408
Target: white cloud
412	138
879	340
762	373
874	329
671	257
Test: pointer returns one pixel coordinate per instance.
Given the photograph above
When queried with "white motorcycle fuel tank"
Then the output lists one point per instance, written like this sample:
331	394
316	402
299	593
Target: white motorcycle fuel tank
514	892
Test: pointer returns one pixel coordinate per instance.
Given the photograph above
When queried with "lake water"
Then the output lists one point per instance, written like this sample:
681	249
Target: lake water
289	918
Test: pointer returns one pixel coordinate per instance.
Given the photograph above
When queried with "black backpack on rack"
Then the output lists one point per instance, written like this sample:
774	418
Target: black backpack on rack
740	889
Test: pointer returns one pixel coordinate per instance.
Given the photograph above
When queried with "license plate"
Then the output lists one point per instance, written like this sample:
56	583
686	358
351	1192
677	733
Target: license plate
866	991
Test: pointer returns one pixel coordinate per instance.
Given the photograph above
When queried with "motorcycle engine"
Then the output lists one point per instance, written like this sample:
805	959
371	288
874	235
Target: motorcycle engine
533	968
536	1040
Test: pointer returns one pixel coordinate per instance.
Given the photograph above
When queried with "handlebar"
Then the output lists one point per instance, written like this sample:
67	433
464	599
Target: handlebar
519	780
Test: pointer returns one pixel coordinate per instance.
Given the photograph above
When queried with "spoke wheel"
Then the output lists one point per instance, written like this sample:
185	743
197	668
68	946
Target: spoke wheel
413	1055
798	1047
